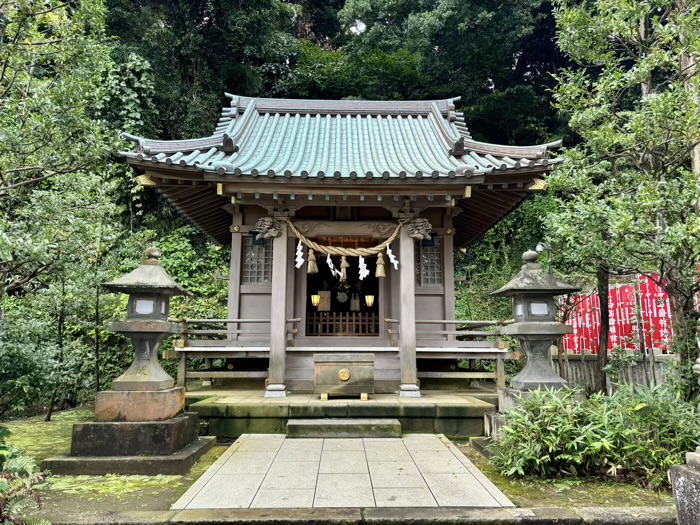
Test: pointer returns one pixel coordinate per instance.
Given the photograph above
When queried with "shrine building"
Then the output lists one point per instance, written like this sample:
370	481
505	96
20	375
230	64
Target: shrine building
342	219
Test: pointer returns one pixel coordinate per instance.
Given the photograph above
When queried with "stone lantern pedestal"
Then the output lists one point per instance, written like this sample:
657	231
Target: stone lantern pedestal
140	425
145	392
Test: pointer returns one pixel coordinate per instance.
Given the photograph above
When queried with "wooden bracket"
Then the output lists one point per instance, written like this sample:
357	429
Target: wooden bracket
145	180
537	185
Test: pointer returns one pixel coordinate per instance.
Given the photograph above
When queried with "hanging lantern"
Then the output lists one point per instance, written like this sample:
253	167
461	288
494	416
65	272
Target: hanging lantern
344	265
312	267
379	272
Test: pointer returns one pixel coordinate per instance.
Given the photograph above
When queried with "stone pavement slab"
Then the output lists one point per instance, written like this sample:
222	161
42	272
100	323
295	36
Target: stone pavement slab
344	490
458	490
270	471
291	475
343	461
283	499
228	492
395	474
404	497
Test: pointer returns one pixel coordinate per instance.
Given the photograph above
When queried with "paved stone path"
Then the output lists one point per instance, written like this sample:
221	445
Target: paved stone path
270	471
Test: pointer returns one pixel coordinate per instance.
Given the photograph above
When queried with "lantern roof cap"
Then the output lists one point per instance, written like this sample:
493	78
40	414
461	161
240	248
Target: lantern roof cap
149	277
534	280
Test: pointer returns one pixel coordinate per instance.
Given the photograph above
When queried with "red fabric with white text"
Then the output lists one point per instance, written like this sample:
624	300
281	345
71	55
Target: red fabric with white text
655	318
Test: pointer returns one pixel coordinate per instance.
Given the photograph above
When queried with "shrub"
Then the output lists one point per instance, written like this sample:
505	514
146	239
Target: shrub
18	474
636	434
26	368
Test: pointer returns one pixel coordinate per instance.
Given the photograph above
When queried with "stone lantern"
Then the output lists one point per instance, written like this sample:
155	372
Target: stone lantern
534	309
140	425
149	288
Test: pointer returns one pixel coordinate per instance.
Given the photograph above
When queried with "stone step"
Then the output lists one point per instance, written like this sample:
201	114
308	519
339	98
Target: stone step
343	428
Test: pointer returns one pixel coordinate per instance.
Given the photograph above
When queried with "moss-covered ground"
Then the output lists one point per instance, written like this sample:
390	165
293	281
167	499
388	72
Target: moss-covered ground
96	495
102	495
567	492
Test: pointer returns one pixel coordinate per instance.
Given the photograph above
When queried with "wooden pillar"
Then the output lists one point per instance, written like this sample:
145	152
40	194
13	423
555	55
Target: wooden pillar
448	273
234	274
407	316
278	315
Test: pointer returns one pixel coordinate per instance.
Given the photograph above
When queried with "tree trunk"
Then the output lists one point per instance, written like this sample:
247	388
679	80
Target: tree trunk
603	278
59	342
685	327
97	339
640	330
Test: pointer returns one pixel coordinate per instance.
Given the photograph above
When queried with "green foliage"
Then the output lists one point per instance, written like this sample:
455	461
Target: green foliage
51	65
6	451
198	50
511	366
25	367
495	258
625	194
195	265
18	474
618	361
453	52
128	95
637	434
334	74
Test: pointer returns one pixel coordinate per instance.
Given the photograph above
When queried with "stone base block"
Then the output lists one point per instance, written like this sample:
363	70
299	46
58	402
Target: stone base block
275	390
136	405
343	428
686	491
178	463
134	438
510	397
409	390
481	445
693	458
458	427
493	424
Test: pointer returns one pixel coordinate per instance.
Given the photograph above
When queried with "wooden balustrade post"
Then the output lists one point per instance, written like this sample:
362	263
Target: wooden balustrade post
182	363
500	372
182	368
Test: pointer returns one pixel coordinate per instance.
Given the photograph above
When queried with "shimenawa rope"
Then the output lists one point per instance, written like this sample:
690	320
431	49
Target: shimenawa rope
350	252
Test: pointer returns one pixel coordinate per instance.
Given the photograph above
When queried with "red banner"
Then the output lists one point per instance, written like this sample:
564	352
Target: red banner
626	301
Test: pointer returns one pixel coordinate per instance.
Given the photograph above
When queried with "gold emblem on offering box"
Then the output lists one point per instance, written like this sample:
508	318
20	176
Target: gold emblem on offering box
344	374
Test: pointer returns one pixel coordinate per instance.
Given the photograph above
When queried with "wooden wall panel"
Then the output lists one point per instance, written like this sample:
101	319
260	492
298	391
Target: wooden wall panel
255	306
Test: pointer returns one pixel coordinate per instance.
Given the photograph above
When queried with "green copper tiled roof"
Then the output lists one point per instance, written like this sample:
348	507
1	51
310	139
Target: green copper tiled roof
342	140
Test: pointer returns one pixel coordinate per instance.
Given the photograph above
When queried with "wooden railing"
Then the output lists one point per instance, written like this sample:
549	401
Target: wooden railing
463	341
342	324
211	339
